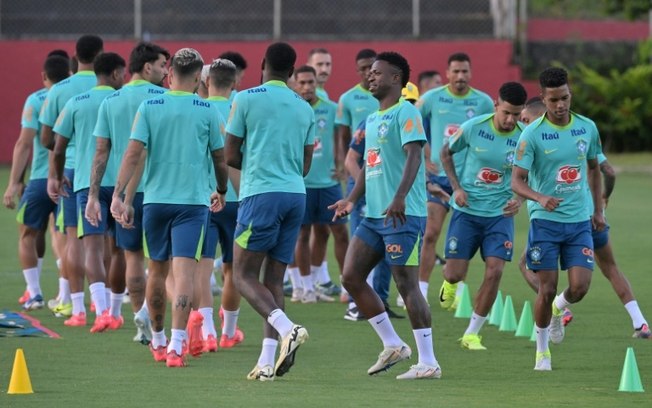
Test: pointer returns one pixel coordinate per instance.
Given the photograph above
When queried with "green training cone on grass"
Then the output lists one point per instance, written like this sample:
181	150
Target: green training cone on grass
533	337
464	308
508	322
497	310
525	323
630	380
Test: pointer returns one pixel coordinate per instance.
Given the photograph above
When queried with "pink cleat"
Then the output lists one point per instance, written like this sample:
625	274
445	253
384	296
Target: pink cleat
229	342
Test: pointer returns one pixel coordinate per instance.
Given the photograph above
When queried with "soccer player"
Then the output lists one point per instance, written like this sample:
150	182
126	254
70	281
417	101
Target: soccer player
322	189
35	205
482	201
221	228
320	59
558	153
394	178
87	48
534	108
240	65
429	80
445	109
177	129
148	68
274	152
75	126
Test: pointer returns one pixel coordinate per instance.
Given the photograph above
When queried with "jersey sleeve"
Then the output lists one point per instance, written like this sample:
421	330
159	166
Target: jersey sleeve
310	136
217	131
343	115
595	146
411	126
29	118
487	105
50	109
357	140
140	129
236	124
460	139
102	128
64	125
525	151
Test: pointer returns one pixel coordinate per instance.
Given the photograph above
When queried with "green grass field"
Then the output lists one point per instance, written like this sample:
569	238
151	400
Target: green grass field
108	370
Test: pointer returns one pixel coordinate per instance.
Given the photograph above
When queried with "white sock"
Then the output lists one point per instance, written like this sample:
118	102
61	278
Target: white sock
370	277
158	339
78	303
176	340
64	290
286	275
542	338
116	303
230	322
107	293
460	288
314	273
213	281
208	326
280	322
385	330
295	278
39	265
475	324
352	305
344	291
32	280
58	263
308	283
560	302
144	309
98	296
324	276
423	338
423	286
635	313
268	352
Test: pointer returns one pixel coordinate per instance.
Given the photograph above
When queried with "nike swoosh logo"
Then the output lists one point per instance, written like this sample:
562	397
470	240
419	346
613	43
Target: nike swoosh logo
360	109
589	260
480	150
379	322
395	256
550	151
427	335
443	111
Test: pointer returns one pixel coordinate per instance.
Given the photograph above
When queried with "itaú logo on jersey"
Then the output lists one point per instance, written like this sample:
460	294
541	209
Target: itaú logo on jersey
373	157
568	174
487	175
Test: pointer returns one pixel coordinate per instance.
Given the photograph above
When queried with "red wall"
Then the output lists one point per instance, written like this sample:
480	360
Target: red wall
23	60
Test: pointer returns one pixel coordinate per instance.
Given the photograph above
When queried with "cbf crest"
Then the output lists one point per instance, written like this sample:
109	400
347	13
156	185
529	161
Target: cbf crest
535	255
452	245
470	112
582	147
509	159
383	129
321	123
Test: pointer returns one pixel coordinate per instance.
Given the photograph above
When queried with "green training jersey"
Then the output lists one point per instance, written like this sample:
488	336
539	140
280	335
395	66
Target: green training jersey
57	97
224	107
386	133
76	122
275	124
323	155
29	120
116	116
177	129
488	158
555	157
445	112
355	105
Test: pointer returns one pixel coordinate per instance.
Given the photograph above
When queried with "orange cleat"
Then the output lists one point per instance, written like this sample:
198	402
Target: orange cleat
210	344
195	340
159	353
77	320
102	323
229	342
174	360
116	322
24	298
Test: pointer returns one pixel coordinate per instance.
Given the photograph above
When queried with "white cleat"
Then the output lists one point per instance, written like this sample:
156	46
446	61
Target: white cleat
388	357
289	346
543	361
265	373
420	371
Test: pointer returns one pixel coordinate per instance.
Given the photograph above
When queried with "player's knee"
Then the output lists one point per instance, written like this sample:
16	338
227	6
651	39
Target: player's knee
577	291
352	282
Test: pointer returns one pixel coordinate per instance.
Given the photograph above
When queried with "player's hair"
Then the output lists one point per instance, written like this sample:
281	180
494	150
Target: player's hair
143	53
459	57
305	68
280	57
317	51
186	62
56	68
365	53
59	52
108	62
535	105
427	75
553	77
397	60
236	58
222	73
88	47
513	93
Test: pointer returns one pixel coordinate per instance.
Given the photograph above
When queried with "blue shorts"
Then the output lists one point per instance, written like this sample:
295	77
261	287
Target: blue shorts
600	238
174	230
270	222
106	225
466	233
67	216
131	239
445	185
401	245
317	202
221	228
35	205
551	244
358	213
